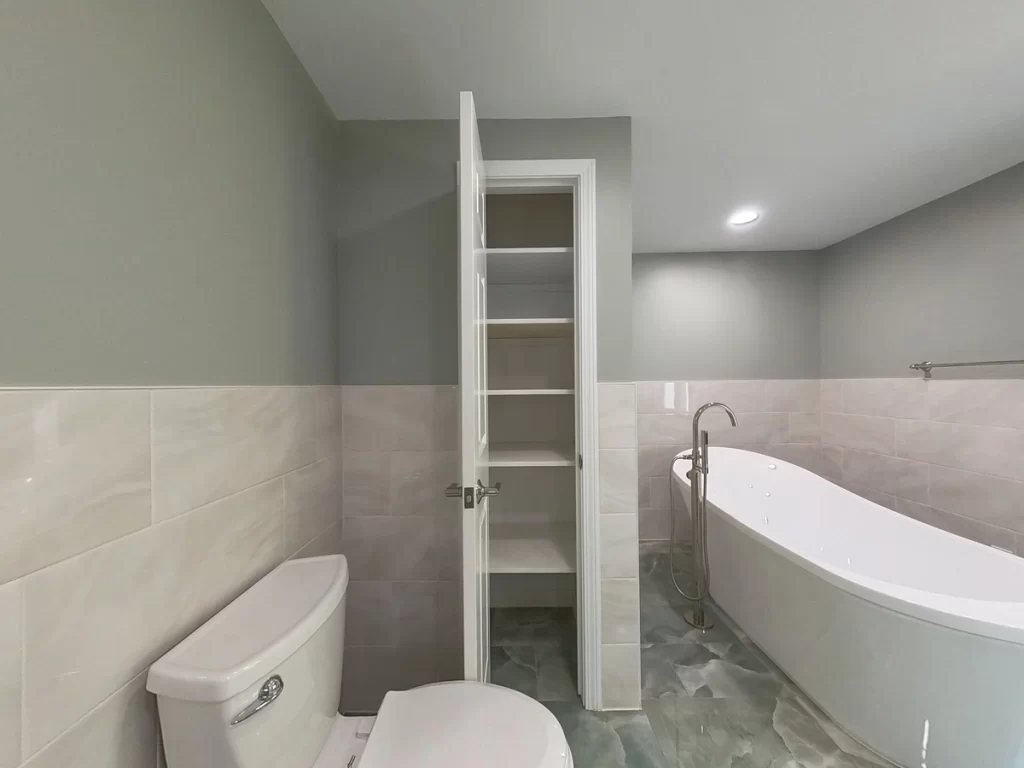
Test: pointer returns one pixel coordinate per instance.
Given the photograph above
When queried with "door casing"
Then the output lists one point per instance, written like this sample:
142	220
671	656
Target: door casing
579	176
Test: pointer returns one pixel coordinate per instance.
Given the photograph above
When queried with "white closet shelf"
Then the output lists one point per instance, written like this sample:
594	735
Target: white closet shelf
548	251
533	548
502	392
532	455
529	266
530	328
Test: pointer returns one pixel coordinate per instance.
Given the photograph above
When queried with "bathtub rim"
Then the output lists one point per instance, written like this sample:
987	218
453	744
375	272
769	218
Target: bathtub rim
975	616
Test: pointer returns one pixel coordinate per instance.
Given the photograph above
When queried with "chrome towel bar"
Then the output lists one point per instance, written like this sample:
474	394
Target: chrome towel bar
926	366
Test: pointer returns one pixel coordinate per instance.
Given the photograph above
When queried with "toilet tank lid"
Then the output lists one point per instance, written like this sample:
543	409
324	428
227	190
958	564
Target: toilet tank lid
253	635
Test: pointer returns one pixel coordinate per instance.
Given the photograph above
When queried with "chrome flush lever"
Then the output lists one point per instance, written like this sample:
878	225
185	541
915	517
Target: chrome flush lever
268	695
483	490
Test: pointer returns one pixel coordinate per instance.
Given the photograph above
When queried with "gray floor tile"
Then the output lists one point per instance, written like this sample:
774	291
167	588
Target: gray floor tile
732	732
857	754
608	739
556	675
515	667
704	671
533	626
715	699
711	699
661	621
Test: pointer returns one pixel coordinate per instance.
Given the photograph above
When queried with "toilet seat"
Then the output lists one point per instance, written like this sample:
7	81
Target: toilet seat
464	725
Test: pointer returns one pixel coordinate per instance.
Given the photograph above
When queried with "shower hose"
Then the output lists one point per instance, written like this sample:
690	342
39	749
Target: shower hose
700	538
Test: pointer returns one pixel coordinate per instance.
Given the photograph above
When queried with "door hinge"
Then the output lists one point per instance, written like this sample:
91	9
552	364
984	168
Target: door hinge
579	460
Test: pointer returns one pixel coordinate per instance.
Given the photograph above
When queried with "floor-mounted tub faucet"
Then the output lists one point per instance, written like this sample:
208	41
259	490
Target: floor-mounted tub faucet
698	474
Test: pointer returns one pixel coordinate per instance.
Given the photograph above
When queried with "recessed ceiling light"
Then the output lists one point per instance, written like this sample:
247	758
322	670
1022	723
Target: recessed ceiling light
743	216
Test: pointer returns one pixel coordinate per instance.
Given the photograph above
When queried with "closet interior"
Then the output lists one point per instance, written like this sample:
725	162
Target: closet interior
532	404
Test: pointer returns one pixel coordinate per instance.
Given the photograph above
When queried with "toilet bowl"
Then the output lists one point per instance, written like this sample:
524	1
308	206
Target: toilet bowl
258	686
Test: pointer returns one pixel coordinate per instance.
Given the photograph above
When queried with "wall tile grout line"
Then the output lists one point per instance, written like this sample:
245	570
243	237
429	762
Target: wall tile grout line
83	718
152	453
284	520
23	611
145	529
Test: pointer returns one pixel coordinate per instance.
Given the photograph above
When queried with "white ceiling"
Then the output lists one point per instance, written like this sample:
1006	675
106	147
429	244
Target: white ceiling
832	115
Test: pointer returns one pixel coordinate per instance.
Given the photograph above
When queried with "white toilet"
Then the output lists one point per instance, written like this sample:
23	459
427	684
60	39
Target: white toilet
258	686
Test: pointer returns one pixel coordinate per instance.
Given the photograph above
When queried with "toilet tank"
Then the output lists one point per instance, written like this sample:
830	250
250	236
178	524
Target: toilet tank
288	627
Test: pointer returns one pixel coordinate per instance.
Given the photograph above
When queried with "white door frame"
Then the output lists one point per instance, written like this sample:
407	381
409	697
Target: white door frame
581	177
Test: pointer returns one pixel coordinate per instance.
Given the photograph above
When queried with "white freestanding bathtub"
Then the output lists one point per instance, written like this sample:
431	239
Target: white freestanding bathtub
910	638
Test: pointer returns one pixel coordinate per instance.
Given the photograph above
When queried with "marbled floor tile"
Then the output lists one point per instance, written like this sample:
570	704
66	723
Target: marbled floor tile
556	675
661	621
515	667
726	733
608	739
854	752
715	699
654	560
657	670
709	670
533	626
766	660
537	642
729	676
742	636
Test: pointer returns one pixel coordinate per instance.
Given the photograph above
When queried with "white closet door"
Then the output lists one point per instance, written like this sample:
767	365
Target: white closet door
475	438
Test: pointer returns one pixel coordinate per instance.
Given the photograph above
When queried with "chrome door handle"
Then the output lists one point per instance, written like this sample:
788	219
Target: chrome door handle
453	491
268	695
483	490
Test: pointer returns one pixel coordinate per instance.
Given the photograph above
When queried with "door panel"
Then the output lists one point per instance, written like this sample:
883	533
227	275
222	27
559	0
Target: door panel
473	393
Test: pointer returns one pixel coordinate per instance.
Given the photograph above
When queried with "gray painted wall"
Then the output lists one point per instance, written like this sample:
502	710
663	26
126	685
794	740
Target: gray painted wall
726	315
609	142
943	282
165	172
396	222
